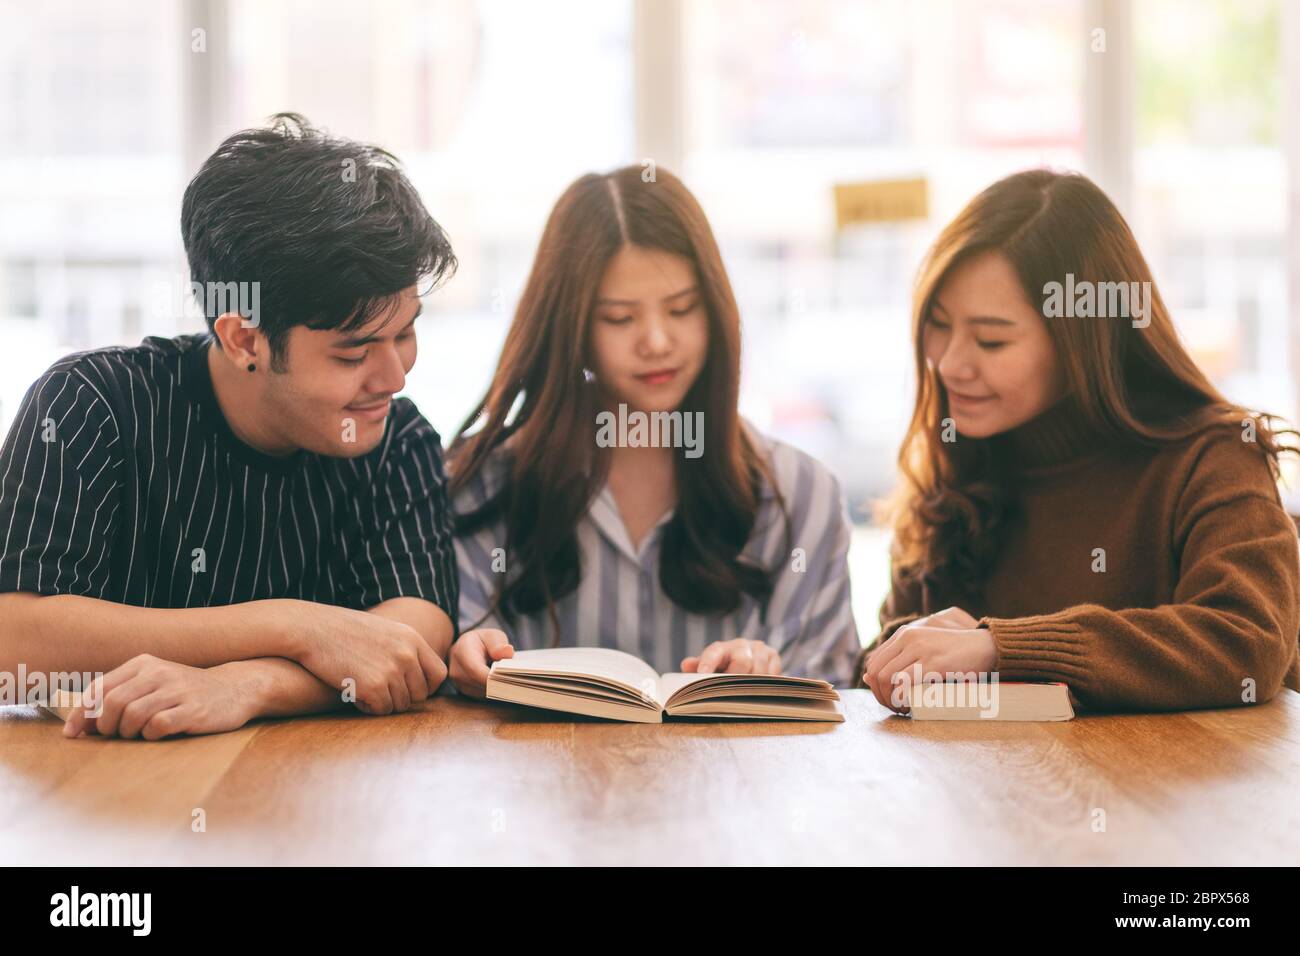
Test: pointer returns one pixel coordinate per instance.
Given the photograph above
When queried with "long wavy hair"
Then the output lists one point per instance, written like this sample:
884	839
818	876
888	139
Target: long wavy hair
544	401
1128	384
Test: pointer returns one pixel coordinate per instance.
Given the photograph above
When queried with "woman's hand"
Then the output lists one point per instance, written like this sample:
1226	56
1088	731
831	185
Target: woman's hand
472	656
151	698
947	642
734	657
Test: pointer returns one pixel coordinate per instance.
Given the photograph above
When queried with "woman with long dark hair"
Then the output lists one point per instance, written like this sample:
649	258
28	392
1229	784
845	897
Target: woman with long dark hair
1078	502
609	494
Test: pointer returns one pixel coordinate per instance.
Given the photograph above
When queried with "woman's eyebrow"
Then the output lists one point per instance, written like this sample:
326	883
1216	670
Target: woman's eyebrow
667	298
976	319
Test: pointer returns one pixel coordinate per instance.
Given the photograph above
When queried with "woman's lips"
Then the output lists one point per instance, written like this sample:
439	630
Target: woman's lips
968	401
659	376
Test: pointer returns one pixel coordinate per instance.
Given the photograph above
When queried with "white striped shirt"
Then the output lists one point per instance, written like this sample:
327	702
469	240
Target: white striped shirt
121	480
619	602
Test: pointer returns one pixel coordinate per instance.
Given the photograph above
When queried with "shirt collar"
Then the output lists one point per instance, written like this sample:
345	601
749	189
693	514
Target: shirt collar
604	513
605	516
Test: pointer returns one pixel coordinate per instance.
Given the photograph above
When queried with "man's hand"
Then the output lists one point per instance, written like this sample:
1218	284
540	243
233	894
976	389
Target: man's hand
151	698
391	665
739	656
472	656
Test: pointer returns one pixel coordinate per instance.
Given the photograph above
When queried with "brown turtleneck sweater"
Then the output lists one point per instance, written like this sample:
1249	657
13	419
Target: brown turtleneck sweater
1200	597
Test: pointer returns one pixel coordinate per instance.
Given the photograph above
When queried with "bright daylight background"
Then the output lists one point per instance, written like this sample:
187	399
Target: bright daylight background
106	111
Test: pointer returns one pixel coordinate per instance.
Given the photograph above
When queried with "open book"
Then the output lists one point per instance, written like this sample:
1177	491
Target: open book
1001	700
600	682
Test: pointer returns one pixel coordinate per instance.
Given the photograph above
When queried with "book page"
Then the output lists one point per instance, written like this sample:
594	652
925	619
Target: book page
622	668
670	684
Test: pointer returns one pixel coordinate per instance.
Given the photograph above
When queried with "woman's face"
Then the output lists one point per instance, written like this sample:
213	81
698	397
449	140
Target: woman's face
650	334
990	348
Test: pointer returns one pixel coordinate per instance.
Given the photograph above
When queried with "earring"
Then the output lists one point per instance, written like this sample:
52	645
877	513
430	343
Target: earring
252	367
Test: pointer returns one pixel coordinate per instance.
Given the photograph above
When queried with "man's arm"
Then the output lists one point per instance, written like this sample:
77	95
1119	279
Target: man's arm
151	697
426	618
278	657
282	688
68	632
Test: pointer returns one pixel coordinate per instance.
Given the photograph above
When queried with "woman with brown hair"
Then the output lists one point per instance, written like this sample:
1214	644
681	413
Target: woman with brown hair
610	495
1078	503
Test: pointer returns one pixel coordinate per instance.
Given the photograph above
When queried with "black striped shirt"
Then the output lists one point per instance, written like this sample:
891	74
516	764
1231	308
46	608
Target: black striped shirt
121	480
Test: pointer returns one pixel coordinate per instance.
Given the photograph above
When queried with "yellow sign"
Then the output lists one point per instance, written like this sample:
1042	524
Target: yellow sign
881	200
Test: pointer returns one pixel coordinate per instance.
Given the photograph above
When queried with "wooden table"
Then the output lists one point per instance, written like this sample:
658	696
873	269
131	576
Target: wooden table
464	782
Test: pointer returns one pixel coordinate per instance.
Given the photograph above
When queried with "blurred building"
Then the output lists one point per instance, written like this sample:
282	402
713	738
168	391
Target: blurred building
1176	106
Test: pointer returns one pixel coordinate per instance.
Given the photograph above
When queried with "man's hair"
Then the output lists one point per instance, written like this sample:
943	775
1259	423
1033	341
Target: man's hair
329	228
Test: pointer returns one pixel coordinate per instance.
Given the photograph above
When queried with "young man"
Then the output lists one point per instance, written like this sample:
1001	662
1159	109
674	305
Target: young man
245	522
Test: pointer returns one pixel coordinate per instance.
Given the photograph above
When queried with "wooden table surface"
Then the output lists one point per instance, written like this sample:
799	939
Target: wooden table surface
465	782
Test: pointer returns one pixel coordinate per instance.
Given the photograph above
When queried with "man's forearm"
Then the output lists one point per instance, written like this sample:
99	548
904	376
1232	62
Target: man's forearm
260	642
282	688
73	633
429	620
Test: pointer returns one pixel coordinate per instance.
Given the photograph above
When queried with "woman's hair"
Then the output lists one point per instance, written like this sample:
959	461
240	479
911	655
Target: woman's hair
1126	383
554	465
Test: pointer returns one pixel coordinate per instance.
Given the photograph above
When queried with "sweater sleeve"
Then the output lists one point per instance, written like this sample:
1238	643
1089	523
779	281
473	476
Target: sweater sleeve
1229	634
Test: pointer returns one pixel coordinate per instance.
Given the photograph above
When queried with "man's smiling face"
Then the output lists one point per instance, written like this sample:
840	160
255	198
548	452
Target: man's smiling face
335	391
